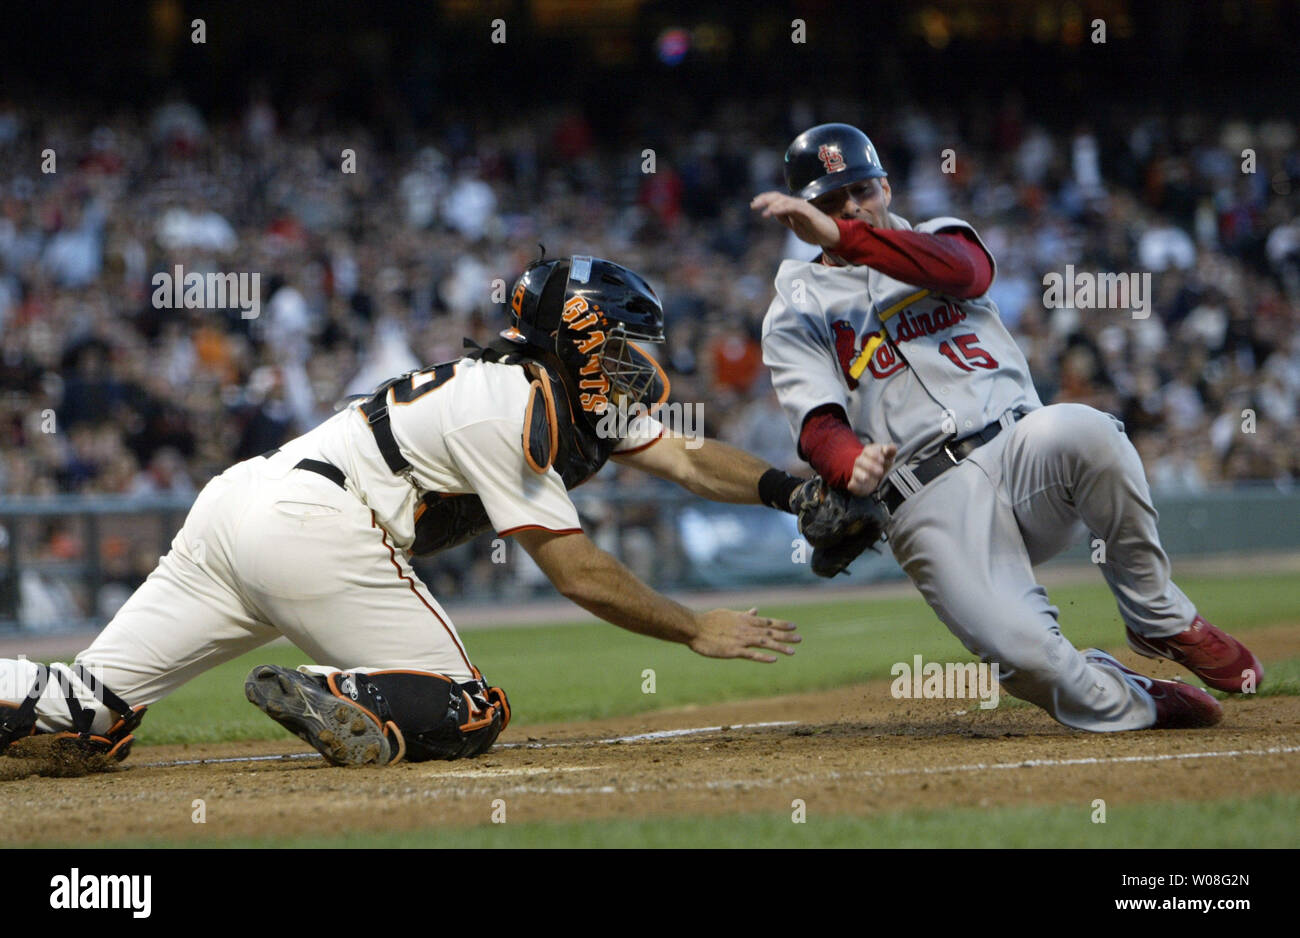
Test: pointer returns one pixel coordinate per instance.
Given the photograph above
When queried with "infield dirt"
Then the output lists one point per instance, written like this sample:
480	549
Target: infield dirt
853	750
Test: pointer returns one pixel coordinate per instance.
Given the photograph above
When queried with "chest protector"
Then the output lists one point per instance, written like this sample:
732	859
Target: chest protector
556	435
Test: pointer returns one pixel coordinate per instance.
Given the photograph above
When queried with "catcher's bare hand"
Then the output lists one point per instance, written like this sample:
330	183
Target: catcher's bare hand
725	633
872	465
807	221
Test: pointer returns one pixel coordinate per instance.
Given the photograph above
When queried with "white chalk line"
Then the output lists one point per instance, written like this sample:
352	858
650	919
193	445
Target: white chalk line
747	783
497	772
750	783
666	734
613	740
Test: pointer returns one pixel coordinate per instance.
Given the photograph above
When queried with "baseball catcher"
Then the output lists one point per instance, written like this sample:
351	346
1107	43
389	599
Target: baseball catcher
311	541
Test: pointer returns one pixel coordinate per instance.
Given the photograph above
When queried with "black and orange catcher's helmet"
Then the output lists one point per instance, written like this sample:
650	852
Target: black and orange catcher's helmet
591	313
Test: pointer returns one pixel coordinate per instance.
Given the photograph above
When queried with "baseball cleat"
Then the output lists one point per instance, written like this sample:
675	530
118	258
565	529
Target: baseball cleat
339	730
1179	706
1210	653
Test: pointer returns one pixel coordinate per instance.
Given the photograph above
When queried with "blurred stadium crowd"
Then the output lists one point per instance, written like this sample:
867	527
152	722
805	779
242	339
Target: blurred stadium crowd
367	273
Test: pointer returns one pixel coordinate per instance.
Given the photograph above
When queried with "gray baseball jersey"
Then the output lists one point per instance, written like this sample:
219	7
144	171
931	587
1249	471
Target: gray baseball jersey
908	366
916	368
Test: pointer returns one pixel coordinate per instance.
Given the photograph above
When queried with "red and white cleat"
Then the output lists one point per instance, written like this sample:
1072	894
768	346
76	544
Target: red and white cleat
1207	651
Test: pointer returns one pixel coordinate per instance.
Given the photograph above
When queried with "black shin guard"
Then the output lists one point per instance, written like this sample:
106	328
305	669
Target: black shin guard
435	717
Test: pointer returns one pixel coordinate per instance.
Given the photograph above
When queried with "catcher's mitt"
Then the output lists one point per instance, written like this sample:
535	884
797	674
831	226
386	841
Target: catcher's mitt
444	521
838	526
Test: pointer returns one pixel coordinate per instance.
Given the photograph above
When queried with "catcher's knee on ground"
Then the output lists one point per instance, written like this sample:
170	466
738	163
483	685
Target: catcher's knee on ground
66	702
365	717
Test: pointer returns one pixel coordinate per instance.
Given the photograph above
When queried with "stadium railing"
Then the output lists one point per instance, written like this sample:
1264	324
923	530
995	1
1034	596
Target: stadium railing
68	561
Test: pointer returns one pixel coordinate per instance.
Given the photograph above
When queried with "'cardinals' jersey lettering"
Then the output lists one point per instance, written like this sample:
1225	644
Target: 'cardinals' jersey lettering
908	366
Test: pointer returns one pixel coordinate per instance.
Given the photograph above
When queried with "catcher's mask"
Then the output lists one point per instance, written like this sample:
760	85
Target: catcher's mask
588	311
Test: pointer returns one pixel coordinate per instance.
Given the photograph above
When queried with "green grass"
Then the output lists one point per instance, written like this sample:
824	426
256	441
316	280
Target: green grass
1175	825
585	671
1281	678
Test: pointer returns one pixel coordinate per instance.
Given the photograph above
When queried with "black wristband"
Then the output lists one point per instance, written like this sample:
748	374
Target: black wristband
775	488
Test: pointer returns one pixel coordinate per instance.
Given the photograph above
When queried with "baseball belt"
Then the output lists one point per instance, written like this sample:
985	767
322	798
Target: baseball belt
927	470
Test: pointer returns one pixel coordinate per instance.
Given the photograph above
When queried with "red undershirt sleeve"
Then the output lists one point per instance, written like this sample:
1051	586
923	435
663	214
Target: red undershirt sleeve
829	444
948	263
